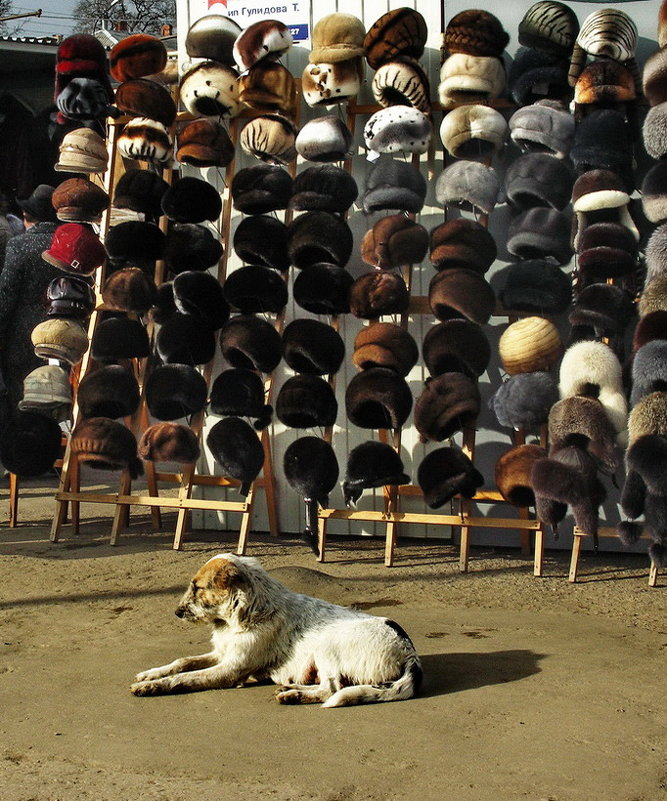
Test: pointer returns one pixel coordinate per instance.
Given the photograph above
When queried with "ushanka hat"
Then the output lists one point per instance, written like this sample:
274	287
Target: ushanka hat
459	292
540	233
475	32
372	464
261	239
191	200
311	346
462	243
237	449
204	143
324	187
600	190
317	236
81	55
377	293
448	403
546	125
306	401
400	32
394	184
654	131
603	141
146	139
468	185
212	37
648	416
470	79
513	471
536	286
473	132
211	89
118	338
135	243
82	150
254	288
106	444
385	345
79	200
398	129
185	339
270	138
47	390
378	398
266	39
129	290
581	421
169	442
551	26
325	84
529	344
269	86
402	81
250	342
174	391
536	74
201	295
31	445
456	346
140	191
189	246
654	193
111	391
239	392
539	179
394	241
446	472
605	250
649	370
261	188
323	289
325	138
524	400
337	37
606	32
143	97
137	55
75	249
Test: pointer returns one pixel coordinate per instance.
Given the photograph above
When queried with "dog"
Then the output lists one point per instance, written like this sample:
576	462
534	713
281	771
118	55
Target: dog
318	652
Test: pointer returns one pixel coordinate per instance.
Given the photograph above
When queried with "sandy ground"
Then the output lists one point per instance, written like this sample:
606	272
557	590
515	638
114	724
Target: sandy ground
534	687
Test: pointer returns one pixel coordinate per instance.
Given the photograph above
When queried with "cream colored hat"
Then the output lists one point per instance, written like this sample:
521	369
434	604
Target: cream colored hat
82	150
529	345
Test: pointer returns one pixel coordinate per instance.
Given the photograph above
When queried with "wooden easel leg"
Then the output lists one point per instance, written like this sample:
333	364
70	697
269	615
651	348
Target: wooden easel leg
538	561
574	560
391	533
653	576
75	506
184	492
13	500
151	481
464	549
120	515
269	486
246	522
321	538
525	533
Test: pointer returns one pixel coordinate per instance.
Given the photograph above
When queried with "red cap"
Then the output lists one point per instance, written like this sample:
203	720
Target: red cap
75	249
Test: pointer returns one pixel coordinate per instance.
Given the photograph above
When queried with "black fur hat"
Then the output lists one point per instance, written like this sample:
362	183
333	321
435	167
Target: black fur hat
261	188
539	179
191	200
174	391
385	345
135	244
649	370
185	339
169	442
536	74
446	472
456	345
189	246
602	141
239	392
311	346
255	288
112	391
324	187
140	191
260	239
317	236
237	449
524	400
377	293
306	401
164	305
31	445
605	310
323	288
378	398
536	286
119	338
582	422
393	184
540	233
605	250
372	464
448	403
250	342
654	193
201	295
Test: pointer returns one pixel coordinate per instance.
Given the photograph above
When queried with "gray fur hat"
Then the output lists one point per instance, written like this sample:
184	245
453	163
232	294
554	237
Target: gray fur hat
524	400
540	233
468	185
581	421
656	254
649	370
325	138
654	131
394	184
546	125
539	179
648	416
654	193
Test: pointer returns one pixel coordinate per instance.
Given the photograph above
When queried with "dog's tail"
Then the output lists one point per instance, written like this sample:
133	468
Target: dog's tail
404	687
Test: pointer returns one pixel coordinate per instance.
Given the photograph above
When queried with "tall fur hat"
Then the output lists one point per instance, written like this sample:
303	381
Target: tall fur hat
394	184
262	239
446	472
191	200
653	78
529	344
327	83
394	241
204	143
145	139
475	32
582	422
250	342
546	125
142	97
255	288
534	74
378	398
372	464
470	79
549	25
211	89
462	243
169	442
398	129
325	138
654	193
323	289
239	392
473	132
81	55
448	403
323	187
540	233
524	400
606	32
266	39
649	370
212	37
112	391
603	141
118	338
648	416
261	188
513	474
604	308
656	254
377	293
270	138
385	345
107	445
189	246
458	292
468	185
318	236
201	295
536	286
137	55
651	326
237	449
271	87
653	296
174	391
306	401
185	339
456	345
141	191
337	37
402	81
311	346
31	445
539	179
135	243
79	200
400	32
597	190
605	250
129	290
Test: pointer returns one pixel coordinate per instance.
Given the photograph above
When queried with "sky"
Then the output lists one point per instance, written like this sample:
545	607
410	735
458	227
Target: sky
56	17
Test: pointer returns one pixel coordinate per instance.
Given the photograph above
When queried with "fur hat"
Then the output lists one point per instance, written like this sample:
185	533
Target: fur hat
581	421
137	55
169	442
473	132
462	243
185	339
448	403
325	138
266	39
31	445
656	254
251	342
323	289
261	239
212	37
458	292
39	203
394	241
318	236
604	82
129	290
604	308
402	81
237	449
254	288
400	32
270	138
192	200
81	55
605	250
141	191
603	141
135	243
112	391
468	185
118	338
540	233
311	346
107	445
75	249
535	74
654	193
456	345
653	78
164	305
211	89
378	398
47	391
239	392
536	286
261	188
649	370
337	37
653	296
372	464
651	326
323	187
377	293
204	143
146	139
201	295
385	345
394	184
598	190
398	129
269	86
524	400
606	32
546	125
648	416
70	296
175	390
143	97
306	401
539	179
470	79
529	344
475	32
551	26
513	474
189	246
446	472
79	200
325	83
84	100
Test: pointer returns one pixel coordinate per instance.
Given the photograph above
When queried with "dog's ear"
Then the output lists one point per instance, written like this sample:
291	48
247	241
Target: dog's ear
227	576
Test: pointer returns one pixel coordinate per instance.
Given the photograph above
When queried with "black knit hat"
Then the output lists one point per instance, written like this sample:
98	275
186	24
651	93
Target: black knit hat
31	445
250	342
174	391
201	295
191	247
237	449
324	187
456	345
323	288
260	239
448	403
446	472
185	339
140	191
239	392
255	288
539	179
372	464
112	391
306	401
378	293
118	338
317	236
536	286
261	188
192	200
311	346
536	74
385	345
378	398
135	244
524	400
393	184
540	233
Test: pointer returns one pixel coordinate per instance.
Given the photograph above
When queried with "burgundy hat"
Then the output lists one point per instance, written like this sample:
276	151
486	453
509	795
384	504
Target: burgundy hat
378	398
394	241
75	249
378	292
142	97
81	55
460	292
448	403
137	55
385	345
462	243
169	442
106	444
79	200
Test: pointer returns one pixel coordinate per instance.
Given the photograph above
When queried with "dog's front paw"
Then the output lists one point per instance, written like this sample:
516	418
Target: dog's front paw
287	696
149	675
144	688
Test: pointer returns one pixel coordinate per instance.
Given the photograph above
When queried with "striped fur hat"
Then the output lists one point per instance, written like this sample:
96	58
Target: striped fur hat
550	26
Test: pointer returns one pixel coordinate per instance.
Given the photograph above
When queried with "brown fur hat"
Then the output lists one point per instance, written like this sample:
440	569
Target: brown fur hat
106	444
189	246
378	398
255	289
79	200
513	474
654	78
137	55
456	345
204	143
401	32
251	342
169	442
376	293
475	32
269	86
648	416
141	191
337	37
654	296
323	187
185	339
606	250
146	139
261	188
323	289
446	472
529	344
306	401
582	421
212	37
200	294
111	391
142	97
129	290
385	345
394	241
604	81
651	326
462	243
118	338
266	39
458	292
448	403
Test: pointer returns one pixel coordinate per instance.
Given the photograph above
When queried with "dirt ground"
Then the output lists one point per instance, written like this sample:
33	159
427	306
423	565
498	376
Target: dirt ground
534	687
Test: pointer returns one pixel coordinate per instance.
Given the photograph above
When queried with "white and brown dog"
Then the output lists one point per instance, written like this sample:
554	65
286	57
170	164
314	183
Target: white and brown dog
317	651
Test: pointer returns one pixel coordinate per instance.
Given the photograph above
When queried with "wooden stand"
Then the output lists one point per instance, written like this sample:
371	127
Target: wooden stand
577	539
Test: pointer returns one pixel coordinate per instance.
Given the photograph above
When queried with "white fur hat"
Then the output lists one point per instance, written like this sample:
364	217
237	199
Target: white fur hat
473	131
465	78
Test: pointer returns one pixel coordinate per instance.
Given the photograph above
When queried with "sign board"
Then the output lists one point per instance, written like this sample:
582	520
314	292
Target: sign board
294	13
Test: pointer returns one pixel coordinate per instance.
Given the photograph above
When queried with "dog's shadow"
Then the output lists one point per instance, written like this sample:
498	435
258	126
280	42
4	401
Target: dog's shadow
455	672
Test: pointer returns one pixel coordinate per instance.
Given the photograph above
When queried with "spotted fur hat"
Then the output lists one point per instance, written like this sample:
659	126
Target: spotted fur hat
211	89
398	129
326	83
